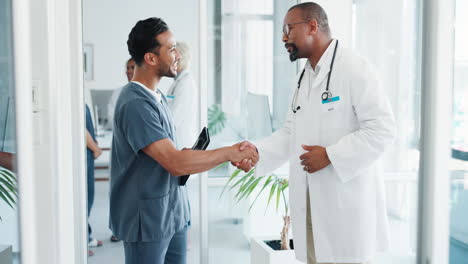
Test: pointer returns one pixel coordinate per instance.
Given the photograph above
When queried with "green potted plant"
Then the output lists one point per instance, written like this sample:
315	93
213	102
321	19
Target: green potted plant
9	196
216	119
8	188
248	185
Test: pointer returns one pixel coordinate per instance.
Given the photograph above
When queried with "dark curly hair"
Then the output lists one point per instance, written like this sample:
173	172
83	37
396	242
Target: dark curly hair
142	38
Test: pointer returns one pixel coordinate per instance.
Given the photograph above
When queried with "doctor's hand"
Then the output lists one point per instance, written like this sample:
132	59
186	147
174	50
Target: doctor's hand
246	164
314	159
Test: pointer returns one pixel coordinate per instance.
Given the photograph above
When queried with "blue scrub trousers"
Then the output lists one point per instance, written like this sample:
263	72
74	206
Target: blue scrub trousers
172	250
90	181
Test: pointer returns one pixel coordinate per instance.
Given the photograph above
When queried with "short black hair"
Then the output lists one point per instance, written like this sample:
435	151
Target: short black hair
311	10
142	38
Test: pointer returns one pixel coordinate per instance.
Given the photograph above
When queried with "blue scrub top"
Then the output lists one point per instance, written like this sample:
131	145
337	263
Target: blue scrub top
146	202
89	126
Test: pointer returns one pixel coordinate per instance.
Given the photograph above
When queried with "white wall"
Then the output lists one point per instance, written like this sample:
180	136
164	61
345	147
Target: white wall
107	23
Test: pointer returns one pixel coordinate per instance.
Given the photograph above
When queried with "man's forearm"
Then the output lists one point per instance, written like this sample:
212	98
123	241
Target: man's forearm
184	162
196	161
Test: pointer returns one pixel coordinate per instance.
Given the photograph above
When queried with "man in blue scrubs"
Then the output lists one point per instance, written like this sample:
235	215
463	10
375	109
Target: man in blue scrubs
149	211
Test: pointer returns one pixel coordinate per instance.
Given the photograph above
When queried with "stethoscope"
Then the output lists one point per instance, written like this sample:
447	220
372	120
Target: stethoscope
325	95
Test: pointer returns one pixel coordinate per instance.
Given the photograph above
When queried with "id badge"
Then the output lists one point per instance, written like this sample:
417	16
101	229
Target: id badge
330	104
170	99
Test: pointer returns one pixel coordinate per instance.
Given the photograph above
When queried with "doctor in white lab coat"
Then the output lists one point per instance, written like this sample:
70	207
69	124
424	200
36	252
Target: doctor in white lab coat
129	70
333	147
182	98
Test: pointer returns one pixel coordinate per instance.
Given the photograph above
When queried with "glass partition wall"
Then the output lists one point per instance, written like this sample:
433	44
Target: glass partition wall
459	163
388	34
9	227
250	79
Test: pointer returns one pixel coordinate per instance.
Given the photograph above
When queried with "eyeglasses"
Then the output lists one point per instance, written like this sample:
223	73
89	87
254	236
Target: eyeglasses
287	27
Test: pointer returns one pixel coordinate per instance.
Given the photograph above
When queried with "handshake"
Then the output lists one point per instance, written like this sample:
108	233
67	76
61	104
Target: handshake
244	156
312	160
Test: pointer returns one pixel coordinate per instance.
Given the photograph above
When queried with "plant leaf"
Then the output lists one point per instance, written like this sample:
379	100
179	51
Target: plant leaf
272	191
7	188
249	189
8	175
9	180
216	119
6	183
267	182
245	177
6	197
285	184
240	181
244	186
254	185
234	174
278	194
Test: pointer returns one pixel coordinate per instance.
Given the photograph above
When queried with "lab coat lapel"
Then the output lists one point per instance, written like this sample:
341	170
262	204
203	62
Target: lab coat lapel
324	63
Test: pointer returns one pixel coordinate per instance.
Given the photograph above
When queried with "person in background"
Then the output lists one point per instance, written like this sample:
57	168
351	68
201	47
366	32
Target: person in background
182	98
92	152
339	125
149	209
130	68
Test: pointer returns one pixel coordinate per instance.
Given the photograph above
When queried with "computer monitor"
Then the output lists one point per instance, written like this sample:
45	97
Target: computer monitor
258	116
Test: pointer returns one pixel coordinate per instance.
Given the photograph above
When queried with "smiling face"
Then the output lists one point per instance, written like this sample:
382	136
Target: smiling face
168	56
130	69
299	34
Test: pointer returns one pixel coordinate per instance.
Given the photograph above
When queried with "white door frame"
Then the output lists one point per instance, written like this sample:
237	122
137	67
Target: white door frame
437	83
25	161
53	219
203	104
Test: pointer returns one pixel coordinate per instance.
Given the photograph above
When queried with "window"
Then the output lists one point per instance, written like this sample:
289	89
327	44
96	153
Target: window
459	164
386	33
250	79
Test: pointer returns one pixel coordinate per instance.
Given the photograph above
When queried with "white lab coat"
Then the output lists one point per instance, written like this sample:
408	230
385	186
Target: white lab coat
182	98
347	201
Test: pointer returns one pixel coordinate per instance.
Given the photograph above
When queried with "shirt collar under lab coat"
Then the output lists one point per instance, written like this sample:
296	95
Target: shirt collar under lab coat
324	60
323	66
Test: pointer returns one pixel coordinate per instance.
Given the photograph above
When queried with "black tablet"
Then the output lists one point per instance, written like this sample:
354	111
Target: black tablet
202	143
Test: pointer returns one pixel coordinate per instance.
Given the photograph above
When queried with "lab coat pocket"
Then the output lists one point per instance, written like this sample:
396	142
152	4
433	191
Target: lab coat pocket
354	194
332	124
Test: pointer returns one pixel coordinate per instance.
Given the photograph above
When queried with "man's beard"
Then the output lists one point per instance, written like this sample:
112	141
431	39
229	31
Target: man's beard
167	72
293	54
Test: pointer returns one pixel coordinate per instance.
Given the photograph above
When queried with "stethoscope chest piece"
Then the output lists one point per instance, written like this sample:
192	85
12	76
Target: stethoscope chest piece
326	95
